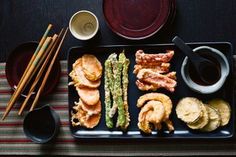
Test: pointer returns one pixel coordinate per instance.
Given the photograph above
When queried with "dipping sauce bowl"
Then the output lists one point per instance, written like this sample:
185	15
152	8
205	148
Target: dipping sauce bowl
41	125
192	80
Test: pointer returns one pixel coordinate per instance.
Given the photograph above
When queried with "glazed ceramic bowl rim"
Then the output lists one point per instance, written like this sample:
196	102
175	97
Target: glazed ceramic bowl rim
9	76
210	88
74	33
32	137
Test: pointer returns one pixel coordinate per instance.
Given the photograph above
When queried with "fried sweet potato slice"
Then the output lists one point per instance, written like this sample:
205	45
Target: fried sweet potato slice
92	68
78	77
88	95
76	117
90	121
91	109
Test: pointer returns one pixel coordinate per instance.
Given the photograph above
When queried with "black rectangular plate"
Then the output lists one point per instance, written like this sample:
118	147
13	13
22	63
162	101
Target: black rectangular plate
181	130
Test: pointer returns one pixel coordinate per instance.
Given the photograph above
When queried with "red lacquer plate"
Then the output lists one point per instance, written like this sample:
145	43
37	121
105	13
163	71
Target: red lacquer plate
136	19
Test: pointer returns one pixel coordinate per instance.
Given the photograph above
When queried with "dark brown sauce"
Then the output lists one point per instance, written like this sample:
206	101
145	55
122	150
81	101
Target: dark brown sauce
212	76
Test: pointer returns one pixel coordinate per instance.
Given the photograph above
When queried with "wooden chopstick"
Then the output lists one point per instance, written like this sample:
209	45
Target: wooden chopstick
50	47
36	51
27	77
48	72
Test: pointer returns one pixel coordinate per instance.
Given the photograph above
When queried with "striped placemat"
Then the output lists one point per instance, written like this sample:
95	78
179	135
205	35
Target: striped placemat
14	142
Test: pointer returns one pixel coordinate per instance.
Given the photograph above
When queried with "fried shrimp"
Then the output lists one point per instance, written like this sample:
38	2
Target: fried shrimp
164	99
158	111
153	112
160	103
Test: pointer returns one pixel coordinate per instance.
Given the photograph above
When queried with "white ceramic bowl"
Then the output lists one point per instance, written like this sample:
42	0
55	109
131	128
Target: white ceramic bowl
83	25
224	68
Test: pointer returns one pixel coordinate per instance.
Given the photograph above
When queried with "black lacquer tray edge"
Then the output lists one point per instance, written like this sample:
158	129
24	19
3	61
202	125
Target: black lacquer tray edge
145	138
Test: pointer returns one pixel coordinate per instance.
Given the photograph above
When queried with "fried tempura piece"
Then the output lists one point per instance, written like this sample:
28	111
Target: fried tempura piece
158	80
108	92
77	116
162	68
84	117
79	79
189	109
223	108
153	59
90	121
125	81
214	119
92	68
157	113
111	76
90	109
88	95
165	100
153	112
202	121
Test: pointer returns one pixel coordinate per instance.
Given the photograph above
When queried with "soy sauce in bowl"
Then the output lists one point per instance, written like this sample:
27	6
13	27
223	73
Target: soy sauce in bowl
212	76
216	81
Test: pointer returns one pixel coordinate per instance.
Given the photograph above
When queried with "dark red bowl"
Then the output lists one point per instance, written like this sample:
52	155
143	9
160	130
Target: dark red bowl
17	62
137	19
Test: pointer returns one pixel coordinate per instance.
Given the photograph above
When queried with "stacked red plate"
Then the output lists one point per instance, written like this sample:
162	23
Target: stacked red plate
138	19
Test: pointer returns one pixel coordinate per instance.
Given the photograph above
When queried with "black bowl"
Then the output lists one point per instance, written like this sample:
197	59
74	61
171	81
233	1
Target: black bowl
41	125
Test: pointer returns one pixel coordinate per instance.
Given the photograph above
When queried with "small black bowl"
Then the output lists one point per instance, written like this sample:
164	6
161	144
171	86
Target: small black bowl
41	125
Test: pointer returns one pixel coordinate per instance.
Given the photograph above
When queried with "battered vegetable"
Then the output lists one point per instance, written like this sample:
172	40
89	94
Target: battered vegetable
111	76
108	71
116	88
125	81
118	99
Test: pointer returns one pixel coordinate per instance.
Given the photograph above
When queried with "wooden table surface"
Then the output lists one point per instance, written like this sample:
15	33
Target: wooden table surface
196	20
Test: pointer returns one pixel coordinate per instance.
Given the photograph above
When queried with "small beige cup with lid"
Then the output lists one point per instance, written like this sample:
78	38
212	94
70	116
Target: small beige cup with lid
84	25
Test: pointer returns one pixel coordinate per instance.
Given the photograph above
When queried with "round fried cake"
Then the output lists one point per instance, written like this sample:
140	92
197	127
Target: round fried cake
189	109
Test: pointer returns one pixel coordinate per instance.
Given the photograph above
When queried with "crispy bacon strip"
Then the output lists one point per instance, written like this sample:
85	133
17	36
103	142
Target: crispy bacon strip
156	80
161	68
153	59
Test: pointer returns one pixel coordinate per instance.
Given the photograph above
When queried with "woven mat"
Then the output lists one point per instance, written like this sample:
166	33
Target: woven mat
14	142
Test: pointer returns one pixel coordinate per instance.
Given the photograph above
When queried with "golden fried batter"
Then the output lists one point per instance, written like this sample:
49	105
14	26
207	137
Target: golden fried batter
88	95
90	121
76	117
153	112
90	109
92	68
78	77
164	99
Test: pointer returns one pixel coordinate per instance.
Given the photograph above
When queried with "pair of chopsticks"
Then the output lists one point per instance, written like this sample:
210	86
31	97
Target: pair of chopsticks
48	48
